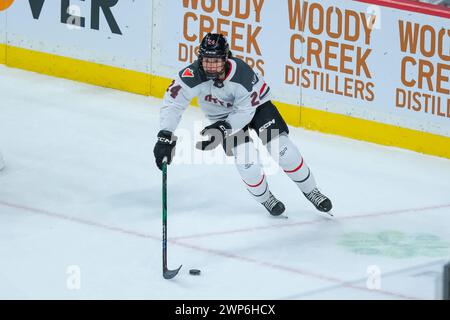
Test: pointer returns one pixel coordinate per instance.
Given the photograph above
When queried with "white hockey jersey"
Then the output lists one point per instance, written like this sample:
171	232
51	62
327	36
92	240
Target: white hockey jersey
234	100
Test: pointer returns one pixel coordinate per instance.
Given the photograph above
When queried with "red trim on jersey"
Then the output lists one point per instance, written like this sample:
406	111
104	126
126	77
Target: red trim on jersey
229	70
262	89
296	169
255	185
414	6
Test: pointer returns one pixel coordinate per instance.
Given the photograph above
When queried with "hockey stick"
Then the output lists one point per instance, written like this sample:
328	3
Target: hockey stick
167	274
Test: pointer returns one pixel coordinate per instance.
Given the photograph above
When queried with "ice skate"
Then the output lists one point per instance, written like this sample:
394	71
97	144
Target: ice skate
273	205
320	201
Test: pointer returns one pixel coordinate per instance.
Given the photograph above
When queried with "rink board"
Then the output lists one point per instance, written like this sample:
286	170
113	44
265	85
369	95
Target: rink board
137	48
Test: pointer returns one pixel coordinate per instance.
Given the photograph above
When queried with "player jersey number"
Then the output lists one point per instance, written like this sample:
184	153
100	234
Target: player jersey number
255	100
174	90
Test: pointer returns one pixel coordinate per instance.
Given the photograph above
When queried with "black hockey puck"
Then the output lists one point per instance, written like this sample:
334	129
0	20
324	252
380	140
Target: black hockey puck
194	272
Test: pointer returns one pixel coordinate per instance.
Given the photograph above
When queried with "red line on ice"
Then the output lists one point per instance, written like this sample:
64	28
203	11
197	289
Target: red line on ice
231	255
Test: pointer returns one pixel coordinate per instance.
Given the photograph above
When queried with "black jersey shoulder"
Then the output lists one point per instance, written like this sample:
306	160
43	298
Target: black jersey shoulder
244	75
192	75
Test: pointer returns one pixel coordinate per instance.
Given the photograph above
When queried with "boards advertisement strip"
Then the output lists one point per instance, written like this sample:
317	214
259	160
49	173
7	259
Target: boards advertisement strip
114	33
344	57
83	40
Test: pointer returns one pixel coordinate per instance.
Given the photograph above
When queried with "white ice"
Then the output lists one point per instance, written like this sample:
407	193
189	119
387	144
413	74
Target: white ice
80	209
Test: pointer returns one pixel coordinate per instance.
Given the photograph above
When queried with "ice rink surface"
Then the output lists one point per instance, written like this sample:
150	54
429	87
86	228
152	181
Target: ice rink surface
80	209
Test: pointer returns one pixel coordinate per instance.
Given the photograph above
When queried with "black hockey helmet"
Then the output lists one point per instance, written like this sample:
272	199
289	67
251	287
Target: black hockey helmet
214	45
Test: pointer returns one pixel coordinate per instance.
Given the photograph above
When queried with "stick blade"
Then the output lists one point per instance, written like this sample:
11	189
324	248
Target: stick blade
169	274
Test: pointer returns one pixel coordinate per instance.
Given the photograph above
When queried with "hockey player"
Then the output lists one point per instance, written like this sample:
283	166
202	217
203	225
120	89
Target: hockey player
235	99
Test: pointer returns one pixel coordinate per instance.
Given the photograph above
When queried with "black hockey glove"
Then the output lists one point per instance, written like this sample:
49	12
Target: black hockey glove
216	133
164	148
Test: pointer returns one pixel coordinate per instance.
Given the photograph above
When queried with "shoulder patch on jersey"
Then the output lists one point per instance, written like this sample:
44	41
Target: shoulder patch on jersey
192	75
187	73
244	75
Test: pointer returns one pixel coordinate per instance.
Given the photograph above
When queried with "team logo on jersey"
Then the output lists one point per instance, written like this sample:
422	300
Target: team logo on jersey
187	73
211	99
